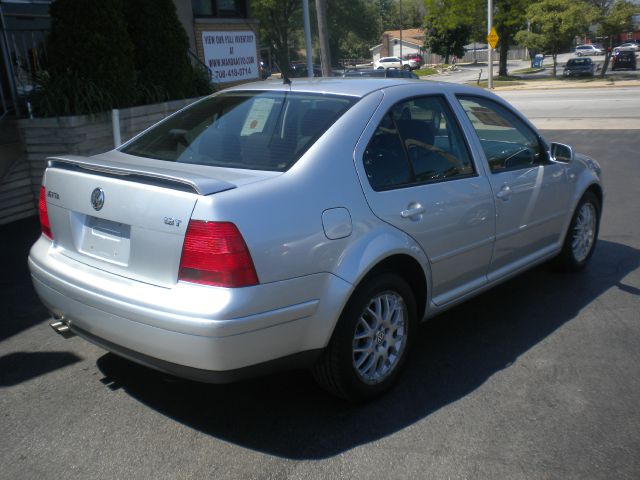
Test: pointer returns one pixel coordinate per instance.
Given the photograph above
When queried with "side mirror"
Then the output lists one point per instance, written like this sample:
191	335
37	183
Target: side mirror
561	153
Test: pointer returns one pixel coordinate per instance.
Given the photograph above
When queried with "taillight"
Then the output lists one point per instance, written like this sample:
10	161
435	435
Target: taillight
214	253
45	226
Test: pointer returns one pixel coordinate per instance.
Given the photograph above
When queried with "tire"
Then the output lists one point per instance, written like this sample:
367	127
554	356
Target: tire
406	67
366	353
582	234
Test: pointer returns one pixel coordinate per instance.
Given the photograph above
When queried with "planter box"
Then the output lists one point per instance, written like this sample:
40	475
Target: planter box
84	134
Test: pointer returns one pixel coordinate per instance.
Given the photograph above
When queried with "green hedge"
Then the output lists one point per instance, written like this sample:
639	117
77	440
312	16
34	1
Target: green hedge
115	53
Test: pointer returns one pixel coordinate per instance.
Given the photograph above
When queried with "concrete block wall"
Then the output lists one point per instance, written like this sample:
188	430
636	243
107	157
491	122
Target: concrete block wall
83	134
16	199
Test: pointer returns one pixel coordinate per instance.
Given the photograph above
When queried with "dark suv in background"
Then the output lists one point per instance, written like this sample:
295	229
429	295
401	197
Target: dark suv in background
624	59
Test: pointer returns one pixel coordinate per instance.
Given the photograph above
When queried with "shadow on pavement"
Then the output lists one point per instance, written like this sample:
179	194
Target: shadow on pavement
289	416
21	307
19	367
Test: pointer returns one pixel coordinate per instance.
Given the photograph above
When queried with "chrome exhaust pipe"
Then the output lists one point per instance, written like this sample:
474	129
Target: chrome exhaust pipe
61	327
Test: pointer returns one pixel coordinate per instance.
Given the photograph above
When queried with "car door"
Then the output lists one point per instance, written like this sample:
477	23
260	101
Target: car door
418	175
532	193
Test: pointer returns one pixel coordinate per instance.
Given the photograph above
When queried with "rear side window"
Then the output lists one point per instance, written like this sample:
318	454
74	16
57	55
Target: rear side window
249	130
418	141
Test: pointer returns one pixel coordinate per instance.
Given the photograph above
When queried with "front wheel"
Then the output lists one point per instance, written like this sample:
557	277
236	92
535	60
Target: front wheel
371	340
582	234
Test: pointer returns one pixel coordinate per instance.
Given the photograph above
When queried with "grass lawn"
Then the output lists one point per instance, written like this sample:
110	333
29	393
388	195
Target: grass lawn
425	71
528	70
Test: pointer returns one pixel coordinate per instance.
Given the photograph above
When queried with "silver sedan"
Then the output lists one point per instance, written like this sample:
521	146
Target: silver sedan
313	225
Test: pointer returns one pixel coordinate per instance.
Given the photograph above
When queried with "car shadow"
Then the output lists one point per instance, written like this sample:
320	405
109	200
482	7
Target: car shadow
19	367
289	416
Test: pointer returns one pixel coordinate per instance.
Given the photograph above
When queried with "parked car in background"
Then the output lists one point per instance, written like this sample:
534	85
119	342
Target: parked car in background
624	59
299	70
380	73
629	46
589	50
415	59
579	67
393	62
313	223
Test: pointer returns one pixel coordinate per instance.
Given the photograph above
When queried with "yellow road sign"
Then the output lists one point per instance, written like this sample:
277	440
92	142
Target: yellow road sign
492	38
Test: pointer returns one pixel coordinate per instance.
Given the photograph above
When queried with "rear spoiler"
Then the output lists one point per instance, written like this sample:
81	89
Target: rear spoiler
174	179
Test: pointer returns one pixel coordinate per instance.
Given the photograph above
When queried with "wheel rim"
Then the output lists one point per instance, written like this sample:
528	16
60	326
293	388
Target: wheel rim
584	232
380	337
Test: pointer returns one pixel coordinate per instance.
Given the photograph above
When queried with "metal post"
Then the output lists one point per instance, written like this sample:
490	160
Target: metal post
307	37
115	124
489	49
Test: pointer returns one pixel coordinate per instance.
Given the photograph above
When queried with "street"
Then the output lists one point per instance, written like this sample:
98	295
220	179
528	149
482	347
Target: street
467	73
538	378
596	108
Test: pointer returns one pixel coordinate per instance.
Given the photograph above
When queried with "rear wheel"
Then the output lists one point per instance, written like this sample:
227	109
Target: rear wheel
582	234
371	340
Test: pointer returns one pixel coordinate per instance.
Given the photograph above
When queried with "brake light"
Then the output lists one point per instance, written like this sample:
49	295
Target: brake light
214	253
45	226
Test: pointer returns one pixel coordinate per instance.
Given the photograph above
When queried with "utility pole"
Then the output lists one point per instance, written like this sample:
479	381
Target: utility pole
307	37
400	33
323	34
489	49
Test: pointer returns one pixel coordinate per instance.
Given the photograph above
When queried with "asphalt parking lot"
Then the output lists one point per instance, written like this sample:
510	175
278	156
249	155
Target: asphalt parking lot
538	378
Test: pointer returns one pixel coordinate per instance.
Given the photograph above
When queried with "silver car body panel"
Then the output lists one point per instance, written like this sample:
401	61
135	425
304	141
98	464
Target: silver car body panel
313	232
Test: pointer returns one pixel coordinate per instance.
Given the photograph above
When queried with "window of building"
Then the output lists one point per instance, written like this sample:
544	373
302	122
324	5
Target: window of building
219	8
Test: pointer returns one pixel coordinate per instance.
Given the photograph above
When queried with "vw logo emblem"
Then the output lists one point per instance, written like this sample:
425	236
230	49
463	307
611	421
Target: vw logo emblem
97	198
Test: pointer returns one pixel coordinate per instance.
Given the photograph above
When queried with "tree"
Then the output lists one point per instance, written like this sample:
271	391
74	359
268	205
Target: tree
89	44
614	18
509	18
350	23
447	41
160	48
449	25
555	24
388	11
279	21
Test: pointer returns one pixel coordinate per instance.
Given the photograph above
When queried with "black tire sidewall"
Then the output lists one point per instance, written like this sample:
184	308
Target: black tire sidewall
567	257
342	340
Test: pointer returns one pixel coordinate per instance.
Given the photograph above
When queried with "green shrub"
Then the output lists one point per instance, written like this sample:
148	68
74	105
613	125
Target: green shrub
89	42
66	94
115	53
160	47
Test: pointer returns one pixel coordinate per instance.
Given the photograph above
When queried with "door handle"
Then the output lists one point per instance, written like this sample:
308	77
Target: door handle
504	193
412	212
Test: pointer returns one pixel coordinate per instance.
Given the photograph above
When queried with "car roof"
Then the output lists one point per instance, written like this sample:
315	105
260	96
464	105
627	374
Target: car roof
354	86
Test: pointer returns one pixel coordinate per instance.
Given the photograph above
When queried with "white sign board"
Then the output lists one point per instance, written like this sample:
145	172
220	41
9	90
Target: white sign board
231	56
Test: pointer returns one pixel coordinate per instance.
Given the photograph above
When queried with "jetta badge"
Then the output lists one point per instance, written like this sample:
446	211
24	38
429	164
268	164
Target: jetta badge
97	198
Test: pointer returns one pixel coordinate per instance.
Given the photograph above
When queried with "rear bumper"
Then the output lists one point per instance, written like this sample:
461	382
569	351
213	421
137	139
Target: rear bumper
206	333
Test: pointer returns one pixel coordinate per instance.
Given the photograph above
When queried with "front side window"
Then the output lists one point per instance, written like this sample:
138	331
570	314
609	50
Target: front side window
249	130
508	143
418	141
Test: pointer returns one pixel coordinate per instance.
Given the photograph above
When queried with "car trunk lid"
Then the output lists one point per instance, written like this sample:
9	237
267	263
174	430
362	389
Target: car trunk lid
123	218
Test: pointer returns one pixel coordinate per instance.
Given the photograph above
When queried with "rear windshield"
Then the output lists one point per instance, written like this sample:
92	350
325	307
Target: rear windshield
249	130
579	61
